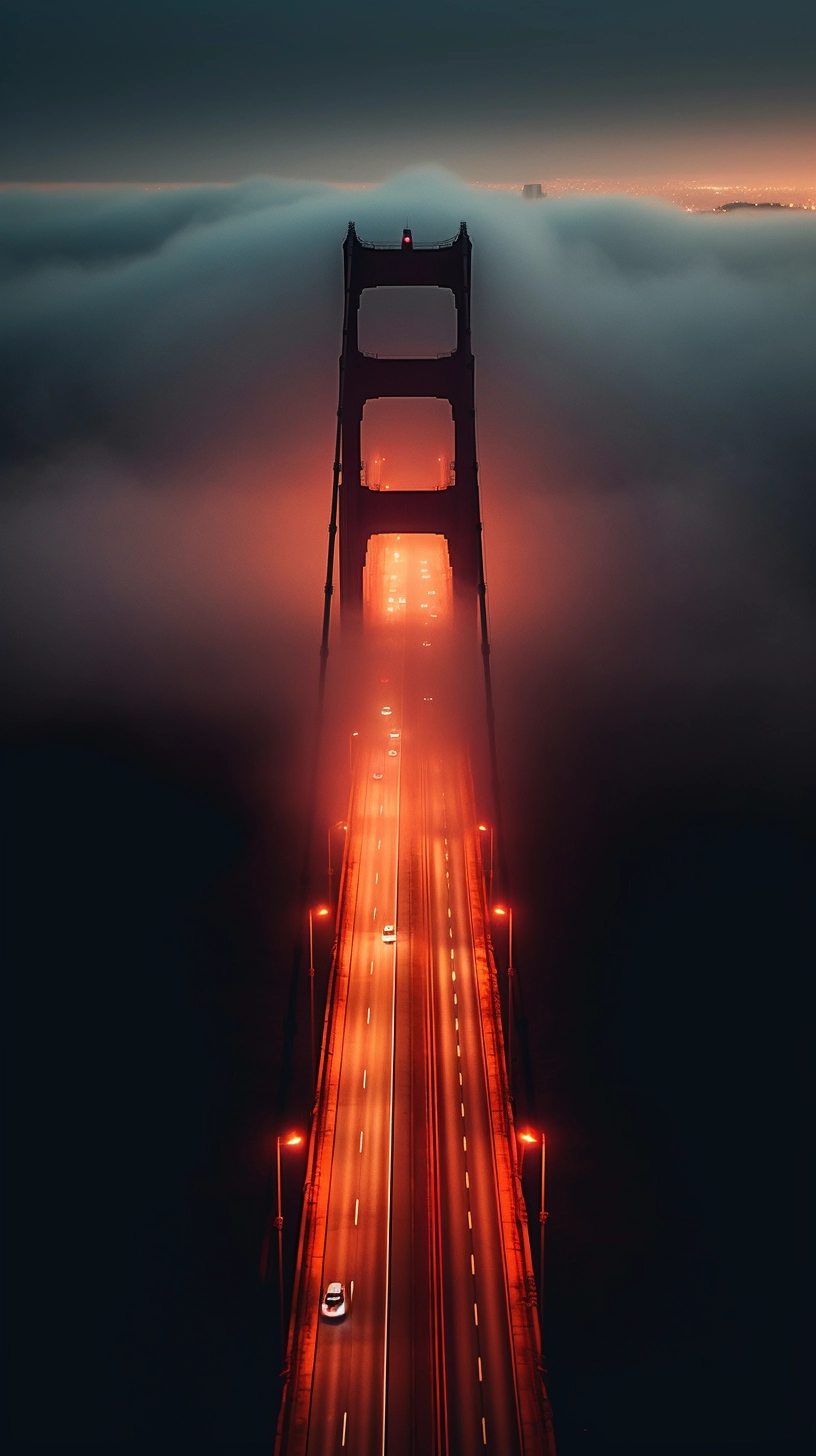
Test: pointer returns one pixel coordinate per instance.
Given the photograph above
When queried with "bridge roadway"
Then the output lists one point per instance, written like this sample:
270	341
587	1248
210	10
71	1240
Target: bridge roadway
423	1362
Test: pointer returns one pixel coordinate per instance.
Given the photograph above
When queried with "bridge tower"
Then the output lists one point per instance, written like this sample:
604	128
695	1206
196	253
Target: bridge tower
452	512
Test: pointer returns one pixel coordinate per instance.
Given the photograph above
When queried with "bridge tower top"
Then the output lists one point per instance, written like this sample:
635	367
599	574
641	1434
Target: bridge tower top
453	512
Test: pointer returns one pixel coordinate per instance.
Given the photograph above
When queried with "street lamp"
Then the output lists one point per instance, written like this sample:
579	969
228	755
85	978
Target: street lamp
292	1141
525	1138
320	911
488	829
332	827
542	1219
501	910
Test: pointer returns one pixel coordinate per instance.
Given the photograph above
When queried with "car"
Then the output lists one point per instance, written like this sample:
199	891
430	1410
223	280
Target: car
376	775
389	934
333	1303
386	712
392	753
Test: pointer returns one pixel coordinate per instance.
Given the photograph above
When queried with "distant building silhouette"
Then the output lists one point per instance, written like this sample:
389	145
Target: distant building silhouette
531	191
735	206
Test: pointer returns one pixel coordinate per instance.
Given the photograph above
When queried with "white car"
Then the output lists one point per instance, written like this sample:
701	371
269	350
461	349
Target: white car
389	934
333	1304
386	712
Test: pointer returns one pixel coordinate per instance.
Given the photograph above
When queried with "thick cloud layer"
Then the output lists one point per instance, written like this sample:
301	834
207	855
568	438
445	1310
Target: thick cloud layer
645	395
645	389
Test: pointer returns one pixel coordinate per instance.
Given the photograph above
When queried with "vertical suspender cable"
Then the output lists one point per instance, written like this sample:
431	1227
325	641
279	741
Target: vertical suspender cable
328	592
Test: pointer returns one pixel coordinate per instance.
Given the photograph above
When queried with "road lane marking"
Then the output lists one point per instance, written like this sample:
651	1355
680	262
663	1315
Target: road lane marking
464	1143
458	1050
467	1177
479	1358
368	1017
473	1265
375	913
377	878
470	1220
456	1020
345	1418
361	1140
475	1313
460	1079
364	1077
449	912
371	973
484	1432
462	1105
379	842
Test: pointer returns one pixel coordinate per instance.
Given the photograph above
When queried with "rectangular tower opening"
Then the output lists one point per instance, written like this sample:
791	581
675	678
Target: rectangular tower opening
407	444
407	323
407	581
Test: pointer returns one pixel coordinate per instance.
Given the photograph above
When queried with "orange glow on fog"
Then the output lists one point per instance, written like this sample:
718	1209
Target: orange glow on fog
407	582
407	444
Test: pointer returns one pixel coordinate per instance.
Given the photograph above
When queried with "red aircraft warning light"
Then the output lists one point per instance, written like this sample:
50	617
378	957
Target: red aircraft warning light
407	238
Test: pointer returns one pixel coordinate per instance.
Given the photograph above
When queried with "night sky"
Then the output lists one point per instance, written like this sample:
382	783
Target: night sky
179	91
645	385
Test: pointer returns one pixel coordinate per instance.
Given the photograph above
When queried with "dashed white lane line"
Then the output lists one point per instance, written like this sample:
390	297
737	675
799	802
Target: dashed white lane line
365	1072
368	1017
361	1140
484	1432
345	1418
475	1313
356	1210
470	1220
473	1265
375	913
479	1358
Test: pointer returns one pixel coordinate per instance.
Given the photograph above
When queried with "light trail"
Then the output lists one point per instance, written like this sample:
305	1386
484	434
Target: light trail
424	1360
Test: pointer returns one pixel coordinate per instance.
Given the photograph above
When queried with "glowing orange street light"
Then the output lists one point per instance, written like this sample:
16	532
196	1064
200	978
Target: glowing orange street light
319	911
292	1141
525	1138
488	829
501	910
339	825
